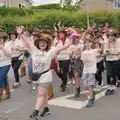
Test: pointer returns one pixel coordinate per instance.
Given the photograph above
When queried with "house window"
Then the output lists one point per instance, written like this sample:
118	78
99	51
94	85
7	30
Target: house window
117	4
7	4
21	6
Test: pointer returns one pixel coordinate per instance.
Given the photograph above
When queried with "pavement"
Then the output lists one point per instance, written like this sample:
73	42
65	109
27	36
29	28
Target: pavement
62	106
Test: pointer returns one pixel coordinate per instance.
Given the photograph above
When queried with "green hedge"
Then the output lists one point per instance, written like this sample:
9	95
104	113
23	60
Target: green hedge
47	6
46	19
13	11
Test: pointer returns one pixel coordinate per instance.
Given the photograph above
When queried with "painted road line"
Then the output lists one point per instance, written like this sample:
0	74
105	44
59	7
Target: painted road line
18	106
71	95
12	90
66	102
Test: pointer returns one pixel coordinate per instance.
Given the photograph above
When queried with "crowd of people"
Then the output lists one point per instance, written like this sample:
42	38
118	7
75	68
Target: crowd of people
78	56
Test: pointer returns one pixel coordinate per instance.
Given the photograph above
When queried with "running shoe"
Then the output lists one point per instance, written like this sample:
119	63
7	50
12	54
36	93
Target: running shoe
73	82
69	82
45	112
98	88
110	92
16	85
90	103
77	94
29	81
118	85
34	115
63	89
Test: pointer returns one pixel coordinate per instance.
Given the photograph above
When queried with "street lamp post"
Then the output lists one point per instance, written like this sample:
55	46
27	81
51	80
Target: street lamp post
87	12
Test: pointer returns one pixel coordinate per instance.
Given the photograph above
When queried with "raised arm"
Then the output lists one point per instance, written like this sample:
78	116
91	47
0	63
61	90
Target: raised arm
55	28
58	50
83	35
26	41
57	63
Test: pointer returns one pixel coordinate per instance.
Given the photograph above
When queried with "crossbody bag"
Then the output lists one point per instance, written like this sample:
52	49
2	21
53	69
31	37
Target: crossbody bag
16	58
36	76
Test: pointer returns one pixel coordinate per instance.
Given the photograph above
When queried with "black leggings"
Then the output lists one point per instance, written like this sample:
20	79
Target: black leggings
64	66
16	66
112	71
98	75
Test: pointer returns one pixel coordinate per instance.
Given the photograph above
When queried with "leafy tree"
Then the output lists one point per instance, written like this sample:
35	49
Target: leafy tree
71	4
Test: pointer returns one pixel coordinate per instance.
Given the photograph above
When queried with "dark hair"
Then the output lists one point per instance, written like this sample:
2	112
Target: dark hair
36	42
14	33
65	33
30	30
4	37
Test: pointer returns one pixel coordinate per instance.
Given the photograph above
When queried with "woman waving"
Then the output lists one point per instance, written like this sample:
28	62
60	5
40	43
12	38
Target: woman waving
41	61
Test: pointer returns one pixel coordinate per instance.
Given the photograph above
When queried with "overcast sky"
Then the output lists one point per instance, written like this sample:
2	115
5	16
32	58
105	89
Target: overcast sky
38	2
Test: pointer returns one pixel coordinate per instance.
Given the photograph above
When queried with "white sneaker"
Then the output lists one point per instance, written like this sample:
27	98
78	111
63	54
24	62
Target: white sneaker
16	84
34	88
73	82
69	82
98	88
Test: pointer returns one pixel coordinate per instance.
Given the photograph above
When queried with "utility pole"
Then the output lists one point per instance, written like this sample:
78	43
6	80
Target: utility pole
87	13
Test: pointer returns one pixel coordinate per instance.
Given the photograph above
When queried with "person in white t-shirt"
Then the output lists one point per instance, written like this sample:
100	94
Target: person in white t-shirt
27	33
112	63
100	65
41	61
63	58
89	70
5	62
17	48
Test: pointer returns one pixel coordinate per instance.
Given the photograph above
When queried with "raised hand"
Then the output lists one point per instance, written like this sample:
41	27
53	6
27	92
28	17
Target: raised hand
1	46
59	23
19	29
23	37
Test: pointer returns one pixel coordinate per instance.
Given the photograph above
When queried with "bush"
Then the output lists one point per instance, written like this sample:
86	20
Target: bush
46	19
47	6
13	11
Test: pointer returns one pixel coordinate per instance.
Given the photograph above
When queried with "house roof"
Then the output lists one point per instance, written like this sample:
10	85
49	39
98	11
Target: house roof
30	1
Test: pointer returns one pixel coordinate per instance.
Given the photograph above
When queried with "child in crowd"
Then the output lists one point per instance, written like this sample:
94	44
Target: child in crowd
89	59
76	64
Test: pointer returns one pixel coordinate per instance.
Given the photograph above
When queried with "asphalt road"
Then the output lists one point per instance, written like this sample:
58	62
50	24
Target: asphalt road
62	106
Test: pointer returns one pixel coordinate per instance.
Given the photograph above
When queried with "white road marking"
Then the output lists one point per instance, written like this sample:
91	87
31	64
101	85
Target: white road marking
12	90
66	102
14	109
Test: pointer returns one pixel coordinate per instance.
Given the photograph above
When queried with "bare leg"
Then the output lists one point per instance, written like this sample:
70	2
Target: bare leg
90	92
77	81
40	98
41	93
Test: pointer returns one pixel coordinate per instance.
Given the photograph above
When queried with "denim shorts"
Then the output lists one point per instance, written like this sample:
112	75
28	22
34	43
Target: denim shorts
88	79
3	73
30	70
